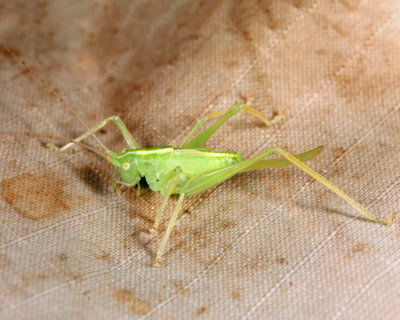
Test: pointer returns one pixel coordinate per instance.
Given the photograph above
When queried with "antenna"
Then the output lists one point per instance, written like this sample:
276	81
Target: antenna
51	90
50	137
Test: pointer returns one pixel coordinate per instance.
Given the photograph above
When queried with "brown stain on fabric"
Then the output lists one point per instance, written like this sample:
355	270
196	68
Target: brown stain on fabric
137	306
179	286
62	256
338	152
201	311
9	53
34	20
270	17
34	278
111	40
264	15
35	197
104	256
236	294
358	248
183	246
281	260
253	262
367	80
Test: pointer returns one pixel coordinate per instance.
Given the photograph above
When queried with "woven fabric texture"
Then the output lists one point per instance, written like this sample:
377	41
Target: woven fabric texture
270	244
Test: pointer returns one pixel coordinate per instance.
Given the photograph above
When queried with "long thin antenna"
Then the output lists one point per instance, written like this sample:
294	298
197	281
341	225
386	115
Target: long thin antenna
51	137
51	90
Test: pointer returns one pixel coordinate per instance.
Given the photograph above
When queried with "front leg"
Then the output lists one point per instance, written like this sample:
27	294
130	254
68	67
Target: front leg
114	185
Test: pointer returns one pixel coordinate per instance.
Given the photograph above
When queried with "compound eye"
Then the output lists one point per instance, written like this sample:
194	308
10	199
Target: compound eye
126	165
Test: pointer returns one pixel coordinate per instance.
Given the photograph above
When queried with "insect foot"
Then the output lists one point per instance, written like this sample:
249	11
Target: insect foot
114	188
388	221
152	229
52	147
278	118
157	262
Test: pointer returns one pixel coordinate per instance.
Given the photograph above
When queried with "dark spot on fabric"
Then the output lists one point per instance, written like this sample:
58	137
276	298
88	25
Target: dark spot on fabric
137	306
35	197
201	311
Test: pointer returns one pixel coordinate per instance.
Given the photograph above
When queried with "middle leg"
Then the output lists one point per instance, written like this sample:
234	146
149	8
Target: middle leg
173	178
201	139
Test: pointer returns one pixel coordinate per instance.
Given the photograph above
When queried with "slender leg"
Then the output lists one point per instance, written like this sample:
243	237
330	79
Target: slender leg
281	162
332	187
115	183
201	139
168	192
172	221
118	122
200	123
208	179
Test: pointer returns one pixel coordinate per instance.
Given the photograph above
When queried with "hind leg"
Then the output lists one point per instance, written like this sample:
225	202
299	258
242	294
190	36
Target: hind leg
331	186
202	182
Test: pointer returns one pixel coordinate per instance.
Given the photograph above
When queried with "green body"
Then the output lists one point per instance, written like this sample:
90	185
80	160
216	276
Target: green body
155	164
195	169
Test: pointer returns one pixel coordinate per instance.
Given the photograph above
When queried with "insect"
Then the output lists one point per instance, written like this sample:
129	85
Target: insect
191	168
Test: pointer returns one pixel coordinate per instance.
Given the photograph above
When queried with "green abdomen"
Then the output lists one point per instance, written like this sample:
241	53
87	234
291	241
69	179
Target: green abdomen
156	162
194	162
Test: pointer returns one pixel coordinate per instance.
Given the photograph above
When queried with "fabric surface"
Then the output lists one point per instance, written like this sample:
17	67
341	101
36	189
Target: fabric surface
271	244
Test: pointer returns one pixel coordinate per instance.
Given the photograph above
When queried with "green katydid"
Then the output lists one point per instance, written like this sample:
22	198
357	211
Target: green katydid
190	168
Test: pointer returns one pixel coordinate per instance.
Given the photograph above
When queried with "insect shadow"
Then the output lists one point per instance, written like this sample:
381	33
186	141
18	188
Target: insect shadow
331	211
93	180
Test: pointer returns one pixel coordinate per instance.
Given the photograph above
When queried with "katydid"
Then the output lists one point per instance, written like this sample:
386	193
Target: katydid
190	168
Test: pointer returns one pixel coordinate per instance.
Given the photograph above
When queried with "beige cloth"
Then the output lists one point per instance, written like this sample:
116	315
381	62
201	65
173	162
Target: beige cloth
270	244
